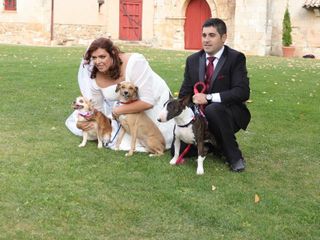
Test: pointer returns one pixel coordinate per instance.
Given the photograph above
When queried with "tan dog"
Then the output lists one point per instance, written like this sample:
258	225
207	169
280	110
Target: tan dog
138	125
89	118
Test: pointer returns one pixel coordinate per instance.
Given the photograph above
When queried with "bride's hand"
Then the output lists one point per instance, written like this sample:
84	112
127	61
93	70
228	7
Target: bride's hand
86	126
115	113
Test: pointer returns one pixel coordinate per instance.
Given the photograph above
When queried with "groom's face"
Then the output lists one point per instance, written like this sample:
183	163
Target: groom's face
212	41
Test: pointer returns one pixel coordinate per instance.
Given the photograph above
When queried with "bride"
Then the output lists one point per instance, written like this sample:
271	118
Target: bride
102	68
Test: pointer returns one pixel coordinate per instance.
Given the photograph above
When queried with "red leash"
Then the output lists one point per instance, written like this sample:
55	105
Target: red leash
196	89
203	90
180	159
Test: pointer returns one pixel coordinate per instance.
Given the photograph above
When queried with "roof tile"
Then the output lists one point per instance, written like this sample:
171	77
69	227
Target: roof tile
311	3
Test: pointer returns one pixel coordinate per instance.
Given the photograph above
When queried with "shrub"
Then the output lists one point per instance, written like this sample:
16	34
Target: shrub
286	29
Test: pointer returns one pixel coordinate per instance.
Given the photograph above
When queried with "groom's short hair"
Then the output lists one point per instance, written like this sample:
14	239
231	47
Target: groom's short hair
218	23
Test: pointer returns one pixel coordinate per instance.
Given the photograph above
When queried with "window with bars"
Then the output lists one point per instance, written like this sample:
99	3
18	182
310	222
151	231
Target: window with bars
10	5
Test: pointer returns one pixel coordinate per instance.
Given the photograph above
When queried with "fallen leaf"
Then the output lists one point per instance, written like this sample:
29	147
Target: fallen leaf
256	198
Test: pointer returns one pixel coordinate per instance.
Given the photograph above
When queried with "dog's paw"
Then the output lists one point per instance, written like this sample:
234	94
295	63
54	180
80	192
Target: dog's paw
173	161
100	146
81	145
200	171
129	154
155	154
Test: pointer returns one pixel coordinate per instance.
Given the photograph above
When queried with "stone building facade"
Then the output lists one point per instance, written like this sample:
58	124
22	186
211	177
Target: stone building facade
254	27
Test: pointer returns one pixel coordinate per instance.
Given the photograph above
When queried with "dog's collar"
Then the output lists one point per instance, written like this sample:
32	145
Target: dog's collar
129	101
86	114
186	125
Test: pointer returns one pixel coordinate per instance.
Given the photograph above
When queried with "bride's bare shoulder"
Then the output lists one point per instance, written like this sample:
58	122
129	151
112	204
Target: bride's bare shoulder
125	57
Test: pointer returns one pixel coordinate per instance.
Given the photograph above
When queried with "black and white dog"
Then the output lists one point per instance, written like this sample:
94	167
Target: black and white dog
191	127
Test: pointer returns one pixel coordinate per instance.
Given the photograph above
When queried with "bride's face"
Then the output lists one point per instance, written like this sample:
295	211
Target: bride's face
101	59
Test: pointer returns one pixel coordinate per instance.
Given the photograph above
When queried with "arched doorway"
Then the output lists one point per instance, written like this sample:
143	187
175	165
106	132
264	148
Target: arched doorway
130	20
196	13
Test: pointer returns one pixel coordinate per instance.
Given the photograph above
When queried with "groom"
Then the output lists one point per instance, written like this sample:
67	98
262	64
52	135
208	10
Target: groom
224	72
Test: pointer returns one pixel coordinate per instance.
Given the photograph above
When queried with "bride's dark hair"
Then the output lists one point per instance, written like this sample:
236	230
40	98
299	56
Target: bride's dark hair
106	44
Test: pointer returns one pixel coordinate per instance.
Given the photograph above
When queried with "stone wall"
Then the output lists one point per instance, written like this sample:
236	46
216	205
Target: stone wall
251	33
72	34
64	34
169	18
24	33
225	9
305	29
254	27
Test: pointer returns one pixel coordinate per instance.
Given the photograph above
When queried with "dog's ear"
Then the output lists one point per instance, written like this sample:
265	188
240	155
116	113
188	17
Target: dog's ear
118	87
136	92
186	100
90	104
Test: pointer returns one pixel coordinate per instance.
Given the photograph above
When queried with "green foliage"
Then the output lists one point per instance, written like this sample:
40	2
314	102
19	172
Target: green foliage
286	29
51	189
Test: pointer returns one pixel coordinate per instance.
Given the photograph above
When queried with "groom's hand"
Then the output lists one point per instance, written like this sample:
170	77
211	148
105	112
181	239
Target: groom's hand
199	98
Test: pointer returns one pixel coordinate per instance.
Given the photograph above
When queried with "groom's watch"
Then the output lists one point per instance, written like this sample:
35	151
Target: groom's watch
209	98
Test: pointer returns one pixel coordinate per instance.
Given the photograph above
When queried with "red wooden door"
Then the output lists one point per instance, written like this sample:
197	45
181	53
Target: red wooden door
130	20
197	12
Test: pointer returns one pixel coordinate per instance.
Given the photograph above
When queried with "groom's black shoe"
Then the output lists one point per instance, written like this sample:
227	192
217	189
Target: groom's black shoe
237	166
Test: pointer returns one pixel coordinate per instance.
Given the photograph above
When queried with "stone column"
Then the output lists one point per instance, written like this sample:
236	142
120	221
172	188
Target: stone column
252	32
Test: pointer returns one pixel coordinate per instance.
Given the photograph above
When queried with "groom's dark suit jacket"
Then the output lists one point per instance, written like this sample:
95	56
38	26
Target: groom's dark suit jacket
229	79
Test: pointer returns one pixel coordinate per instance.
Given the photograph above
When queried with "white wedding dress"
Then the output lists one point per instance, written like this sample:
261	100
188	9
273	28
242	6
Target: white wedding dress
152	89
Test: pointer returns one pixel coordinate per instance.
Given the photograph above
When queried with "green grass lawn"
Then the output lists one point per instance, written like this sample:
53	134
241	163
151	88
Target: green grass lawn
51	189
